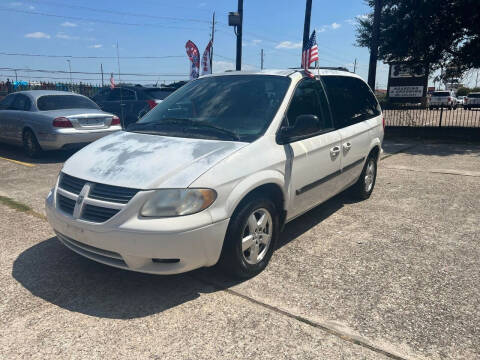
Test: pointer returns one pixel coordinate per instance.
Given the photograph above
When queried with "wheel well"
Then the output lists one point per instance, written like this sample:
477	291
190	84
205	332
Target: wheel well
273	192
375	152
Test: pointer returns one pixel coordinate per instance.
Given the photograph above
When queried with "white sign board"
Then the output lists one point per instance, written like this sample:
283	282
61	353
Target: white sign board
406	91
404	71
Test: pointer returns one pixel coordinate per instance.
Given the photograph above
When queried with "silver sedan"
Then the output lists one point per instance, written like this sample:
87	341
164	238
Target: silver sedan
49	120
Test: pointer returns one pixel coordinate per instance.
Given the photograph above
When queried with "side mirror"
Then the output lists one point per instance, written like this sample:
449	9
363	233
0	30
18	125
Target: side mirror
304	125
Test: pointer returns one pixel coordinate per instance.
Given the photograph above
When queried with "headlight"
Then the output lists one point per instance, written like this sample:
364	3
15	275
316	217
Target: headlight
178	202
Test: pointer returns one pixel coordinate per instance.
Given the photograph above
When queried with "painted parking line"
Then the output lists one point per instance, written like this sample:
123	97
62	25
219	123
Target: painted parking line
17	162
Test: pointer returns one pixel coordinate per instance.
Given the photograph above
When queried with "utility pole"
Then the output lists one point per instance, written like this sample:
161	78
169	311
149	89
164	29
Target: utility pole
239	36
101	70
476	80
306	24
213	36
261	59
355	66
70	70
372	66
16	78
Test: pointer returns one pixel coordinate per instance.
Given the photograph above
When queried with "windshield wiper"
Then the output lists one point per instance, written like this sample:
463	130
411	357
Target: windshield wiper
200	124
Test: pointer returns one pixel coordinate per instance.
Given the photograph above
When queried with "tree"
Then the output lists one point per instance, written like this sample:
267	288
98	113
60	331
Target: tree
435	33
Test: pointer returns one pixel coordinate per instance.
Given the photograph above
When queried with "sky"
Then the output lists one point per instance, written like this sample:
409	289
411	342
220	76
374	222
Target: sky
160	28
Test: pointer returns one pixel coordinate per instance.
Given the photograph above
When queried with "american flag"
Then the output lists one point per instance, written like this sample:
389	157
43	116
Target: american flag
310	52
112	81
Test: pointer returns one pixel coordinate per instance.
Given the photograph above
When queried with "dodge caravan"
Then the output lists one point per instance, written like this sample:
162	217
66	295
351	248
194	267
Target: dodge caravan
212	173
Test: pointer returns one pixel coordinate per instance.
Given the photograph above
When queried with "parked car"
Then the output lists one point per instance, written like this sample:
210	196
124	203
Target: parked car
471	101
49	120
460	100
130	103
212	173
443	99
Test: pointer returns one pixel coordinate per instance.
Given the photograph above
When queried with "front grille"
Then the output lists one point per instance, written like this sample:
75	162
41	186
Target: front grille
97	193
65	204
111	193
98	214
71	184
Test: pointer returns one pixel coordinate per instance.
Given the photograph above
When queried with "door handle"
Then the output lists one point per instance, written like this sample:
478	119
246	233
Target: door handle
347	146
335	151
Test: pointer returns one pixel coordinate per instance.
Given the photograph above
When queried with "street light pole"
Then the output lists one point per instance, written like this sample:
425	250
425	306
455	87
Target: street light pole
239	36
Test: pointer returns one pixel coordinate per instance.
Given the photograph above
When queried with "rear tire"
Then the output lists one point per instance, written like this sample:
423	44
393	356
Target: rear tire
251	237
30	144
363	188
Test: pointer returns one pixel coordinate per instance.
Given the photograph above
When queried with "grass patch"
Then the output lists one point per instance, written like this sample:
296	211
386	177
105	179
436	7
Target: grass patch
13	204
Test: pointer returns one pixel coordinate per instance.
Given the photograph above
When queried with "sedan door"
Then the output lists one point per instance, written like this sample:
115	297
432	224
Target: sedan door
355	111
314	155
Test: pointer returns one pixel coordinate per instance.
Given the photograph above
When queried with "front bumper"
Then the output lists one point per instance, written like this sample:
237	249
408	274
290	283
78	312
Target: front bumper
140	244
72	137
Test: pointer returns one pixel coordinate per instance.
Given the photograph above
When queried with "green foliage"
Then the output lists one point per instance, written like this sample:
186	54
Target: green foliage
440	33
463	91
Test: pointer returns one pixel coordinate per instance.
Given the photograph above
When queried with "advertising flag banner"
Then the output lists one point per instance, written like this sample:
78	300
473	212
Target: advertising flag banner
206	68
112	81
194	56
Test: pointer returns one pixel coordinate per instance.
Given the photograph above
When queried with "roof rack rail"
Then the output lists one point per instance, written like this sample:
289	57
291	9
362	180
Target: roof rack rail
339	68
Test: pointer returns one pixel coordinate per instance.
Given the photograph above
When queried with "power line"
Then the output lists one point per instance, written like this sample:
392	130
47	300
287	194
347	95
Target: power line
122	12
91	57
83	79
97	20
82	72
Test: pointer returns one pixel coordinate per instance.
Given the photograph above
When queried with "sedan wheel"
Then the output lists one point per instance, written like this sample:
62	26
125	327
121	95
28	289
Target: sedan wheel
30	144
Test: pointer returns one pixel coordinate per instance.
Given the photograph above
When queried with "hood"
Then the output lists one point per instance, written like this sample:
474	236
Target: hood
144	161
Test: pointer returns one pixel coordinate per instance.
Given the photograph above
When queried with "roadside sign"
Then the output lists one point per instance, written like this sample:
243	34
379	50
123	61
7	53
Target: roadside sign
407	83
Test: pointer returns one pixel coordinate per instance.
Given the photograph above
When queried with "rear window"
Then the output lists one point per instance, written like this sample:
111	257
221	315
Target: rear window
58	102
158	94
474	96
441	93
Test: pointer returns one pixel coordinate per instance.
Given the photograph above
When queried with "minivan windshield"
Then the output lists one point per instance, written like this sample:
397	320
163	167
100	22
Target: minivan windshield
58	102
231	107
441	93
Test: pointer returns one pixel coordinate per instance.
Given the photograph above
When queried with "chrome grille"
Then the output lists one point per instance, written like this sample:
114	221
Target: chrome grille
112	193
71	184
97	213
65	204
100	202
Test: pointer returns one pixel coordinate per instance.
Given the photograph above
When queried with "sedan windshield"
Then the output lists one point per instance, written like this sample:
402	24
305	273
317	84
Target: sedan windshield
58	102
232	107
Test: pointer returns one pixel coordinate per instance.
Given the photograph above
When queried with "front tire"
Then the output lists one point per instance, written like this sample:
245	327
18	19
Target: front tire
363	188
251	238
30	144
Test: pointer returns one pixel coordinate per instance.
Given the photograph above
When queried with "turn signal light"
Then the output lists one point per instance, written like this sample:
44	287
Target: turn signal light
115	120
62	122
151	104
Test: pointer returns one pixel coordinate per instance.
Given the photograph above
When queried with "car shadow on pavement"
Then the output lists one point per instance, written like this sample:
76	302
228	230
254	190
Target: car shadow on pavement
52	272
46	157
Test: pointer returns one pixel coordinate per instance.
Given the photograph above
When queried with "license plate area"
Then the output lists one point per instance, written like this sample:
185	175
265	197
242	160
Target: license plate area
91	122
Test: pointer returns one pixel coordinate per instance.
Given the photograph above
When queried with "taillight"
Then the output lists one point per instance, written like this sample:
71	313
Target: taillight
449	98
383	122
465	100
115	120
151	104
62	122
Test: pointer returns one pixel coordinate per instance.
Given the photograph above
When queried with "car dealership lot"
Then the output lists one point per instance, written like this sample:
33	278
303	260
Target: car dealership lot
395	276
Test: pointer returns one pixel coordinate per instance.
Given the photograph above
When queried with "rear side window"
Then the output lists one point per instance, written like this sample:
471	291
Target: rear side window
351	100
58	102
7	102
157	94
118	94
21	103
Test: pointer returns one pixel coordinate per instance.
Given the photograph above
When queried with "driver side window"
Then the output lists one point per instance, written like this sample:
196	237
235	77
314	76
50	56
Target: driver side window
309	99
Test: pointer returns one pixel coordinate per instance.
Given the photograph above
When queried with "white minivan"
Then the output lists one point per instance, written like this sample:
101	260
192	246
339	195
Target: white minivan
212	173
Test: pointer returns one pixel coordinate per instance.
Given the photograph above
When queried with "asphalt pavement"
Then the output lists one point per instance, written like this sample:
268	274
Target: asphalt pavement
395	276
